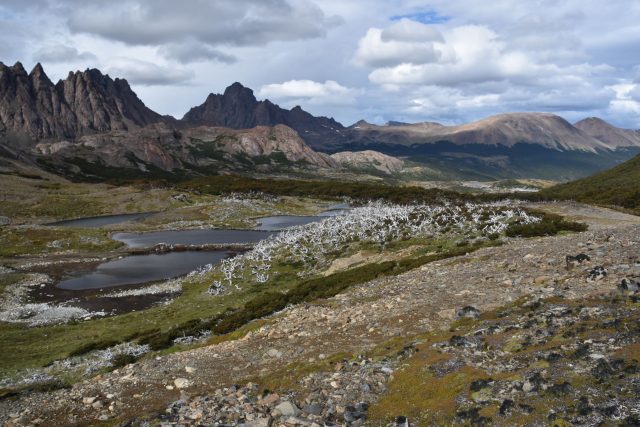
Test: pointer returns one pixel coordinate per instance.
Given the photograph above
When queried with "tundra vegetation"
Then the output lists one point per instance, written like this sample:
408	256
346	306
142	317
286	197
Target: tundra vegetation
404	227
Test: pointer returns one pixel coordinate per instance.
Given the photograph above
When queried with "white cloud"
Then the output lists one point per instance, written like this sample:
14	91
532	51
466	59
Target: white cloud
192	51
405	42
145	73
329	92
62	53
220	22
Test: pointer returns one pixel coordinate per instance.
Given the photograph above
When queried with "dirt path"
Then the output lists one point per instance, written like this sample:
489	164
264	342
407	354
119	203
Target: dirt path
421	300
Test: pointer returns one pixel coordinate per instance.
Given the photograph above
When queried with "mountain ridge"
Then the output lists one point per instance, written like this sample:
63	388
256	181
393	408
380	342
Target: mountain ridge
86	102
510	145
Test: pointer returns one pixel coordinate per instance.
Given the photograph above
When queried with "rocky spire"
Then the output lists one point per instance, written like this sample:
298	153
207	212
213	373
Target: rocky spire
85	102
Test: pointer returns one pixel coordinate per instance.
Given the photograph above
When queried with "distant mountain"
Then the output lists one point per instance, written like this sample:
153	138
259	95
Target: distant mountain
613	136
547	130
238	108
32	107
90	108
619	186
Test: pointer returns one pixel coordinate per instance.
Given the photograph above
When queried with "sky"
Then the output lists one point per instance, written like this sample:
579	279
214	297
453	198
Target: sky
450	61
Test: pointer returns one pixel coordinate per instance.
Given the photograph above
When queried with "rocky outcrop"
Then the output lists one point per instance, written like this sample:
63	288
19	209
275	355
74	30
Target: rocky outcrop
238	108
368	160
162	147
86	102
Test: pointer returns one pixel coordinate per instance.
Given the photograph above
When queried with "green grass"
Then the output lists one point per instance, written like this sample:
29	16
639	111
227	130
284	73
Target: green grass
40	240
619	186
193	310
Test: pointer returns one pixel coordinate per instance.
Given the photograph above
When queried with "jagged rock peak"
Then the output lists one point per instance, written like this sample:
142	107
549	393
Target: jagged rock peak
85	102
18	68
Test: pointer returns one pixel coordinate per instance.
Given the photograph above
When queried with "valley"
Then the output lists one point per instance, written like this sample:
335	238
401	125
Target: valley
249	264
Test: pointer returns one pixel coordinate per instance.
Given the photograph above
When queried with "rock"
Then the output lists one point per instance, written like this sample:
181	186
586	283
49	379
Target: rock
85	102
468	312
597	273
88	400
629	285
313	409
97	404
4	221
574	261
274	353
181	383
189	369
401	421
269	399
287	409
540	280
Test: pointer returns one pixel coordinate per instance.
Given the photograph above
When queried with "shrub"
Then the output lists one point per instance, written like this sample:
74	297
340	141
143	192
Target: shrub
550	225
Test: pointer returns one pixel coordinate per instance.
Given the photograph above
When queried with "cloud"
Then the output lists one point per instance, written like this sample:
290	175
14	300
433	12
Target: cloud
62	53
329	92
404	42
462	56
220	22
138	72
190	52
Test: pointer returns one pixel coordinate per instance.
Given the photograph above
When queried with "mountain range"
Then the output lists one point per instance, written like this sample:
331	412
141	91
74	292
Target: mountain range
91	119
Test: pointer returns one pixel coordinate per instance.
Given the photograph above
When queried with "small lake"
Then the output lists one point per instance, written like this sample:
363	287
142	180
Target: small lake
99	221
137	269
190	237
280	222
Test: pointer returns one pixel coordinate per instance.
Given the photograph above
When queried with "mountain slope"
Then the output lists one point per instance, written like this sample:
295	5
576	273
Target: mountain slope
368	160
619	186
613	136
238	108
543	129
160	151
32	107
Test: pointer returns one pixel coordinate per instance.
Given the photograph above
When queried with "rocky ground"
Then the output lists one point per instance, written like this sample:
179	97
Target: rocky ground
510	335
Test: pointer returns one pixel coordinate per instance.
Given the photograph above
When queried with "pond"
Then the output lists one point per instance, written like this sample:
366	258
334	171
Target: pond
140	269
190	237
100	221
137	269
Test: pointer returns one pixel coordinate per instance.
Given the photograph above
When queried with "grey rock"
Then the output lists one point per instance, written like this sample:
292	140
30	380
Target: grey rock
287	409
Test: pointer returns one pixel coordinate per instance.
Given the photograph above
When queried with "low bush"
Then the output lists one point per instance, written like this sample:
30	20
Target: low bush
550	225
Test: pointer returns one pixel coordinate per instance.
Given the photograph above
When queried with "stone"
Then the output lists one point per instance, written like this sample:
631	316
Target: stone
89	400
269	399
287	409
97	404
629	285
469	312
189	369
541	280
597	273
313	409
181	383
4	221
274	353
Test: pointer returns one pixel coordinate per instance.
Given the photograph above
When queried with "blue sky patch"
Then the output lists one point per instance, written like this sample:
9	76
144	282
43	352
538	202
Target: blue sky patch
428	17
